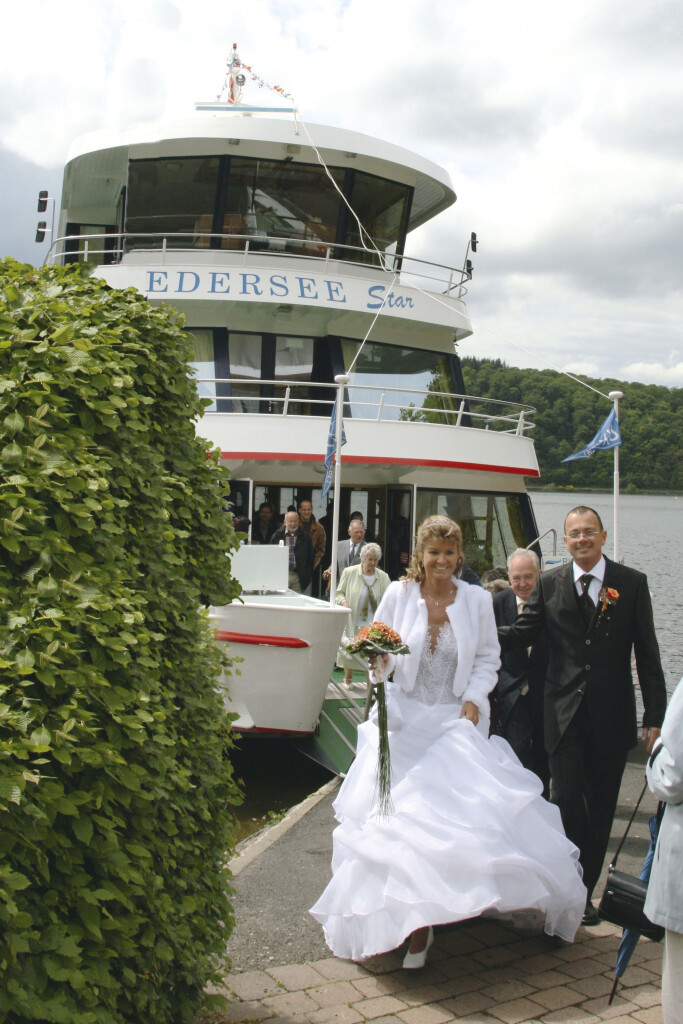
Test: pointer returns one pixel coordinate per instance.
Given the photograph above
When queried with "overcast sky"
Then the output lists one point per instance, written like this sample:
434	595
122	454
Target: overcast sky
560	126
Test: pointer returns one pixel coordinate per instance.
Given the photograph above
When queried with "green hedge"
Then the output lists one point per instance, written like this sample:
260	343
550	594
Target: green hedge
115	780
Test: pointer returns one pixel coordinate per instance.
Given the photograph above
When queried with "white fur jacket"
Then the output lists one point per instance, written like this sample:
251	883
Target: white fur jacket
473	624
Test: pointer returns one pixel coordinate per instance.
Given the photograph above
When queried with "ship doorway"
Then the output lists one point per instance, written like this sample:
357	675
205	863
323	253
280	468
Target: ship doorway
398	534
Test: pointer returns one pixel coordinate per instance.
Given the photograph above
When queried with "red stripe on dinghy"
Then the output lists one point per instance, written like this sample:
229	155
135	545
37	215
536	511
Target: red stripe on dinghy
262	641
377	460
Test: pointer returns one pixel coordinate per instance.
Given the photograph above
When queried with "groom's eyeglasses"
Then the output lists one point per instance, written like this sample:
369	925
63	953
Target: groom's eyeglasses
575	534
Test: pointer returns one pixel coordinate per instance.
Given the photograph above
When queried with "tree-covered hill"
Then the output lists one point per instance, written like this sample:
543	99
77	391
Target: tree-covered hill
568	416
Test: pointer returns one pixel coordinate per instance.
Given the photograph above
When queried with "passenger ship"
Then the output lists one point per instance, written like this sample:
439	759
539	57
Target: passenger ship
248	221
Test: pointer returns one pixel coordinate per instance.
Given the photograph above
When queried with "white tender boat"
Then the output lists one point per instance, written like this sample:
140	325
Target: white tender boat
287	643
245	219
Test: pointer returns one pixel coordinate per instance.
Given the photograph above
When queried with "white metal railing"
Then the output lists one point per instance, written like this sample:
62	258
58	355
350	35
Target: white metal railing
114	247
238	395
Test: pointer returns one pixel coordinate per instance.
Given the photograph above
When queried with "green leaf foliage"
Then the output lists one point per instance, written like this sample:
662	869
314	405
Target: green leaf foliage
568	416
115	780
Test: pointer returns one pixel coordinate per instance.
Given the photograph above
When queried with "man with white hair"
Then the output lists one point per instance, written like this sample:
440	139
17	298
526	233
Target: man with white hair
521	677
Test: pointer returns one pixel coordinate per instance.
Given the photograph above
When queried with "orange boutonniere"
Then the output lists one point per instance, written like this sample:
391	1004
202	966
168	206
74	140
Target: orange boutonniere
607	596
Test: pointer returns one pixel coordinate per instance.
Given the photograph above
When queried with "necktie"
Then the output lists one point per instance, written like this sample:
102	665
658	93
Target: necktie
292	559
587	606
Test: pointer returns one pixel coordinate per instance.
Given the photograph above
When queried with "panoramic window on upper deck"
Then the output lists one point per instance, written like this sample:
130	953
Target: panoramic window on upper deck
416	384
381	207
294	203
172	198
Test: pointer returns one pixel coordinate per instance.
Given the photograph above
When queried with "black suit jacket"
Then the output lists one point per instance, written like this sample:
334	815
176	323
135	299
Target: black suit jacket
595	660
517	665
303	554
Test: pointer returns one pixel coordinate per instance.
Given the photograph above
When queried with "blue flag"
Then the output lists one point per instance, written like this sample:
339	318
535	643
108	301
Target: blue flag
608	436
331	449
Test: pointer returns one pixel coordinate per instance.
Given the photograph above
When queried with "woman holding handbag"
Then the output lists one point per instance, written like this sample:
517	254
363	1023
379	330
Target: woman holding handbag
664	903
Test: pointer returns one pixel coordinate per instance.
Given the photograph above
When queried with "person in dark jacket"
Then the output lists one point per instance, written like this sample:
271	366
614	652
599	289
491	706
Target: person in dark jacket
300	552
596	613
518	695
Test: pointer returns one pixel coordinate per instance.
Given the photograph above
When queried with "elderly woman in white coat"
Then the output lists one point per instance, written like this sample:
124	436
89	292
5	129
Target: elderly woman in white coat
361	589
664	903
469	833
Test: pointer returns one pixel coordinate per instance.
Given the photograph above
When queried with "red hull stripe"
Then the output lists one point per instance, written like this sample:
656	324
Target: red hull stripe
373	460
262	641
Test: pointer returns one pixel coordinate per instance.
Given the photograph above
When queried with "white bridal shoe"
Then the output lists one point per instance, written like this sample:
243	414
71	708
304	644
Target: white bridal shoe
411	961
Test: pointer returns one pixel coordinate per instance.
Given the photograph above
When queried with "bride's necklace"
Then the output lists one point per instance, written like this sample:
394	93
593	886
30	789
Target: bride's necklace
441	600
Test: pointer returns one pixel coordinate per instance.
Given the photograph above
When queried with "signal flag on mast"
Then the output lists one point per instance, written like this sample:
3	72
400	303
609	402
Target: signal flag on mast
608	436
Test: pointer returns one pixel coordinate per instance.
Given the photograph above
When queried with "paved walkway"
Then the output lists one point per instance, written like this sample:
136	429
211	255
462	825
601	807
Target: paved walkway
477	972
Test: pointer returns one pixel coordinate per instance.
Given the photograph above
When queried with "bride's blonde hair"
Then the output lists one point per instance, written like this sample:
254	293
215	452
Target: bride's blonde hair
433	528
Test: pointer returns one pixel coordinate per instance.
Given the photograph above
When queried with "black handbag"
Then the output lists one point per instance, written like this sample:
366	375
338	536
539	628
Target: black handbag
624	896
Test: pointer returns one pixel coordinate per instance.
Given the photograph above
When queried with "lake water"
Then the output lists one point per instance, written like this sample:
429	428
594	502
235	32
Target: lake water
650	531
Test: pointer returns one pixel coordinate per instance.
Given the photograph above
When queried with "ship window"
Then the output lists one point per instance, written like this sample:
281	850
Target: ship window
174	197
296	203
294	362
204	366
492	524
422	377
381	207
245	364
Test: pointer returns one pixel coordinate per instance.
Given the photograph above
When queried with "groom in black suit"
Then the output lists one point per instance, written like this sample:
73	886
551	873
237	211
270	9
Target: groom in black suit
595	612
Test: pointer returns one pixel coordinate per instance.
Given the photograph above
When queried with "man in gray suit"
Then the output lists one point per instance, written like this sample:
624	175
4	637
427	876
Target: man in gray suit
348	551
595	613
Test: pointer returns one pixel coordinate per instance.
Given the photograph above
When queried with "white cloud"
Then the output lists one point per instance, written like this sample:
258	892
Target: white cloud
559	127
655	373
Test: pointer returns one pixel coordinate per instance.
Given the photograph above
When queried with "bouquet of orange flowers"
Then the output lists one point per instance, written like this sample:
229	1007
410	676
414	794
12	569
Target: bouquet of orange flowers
377	638
370	641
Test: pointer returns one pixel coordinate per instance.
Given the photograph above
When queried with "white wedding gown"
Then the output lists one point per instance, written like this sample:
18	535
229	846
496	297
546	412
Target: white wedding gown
470	832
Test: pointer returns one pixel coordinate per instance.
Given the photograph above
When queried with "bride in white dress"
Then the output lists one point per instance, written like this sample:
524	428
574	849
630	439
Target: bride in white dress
470	832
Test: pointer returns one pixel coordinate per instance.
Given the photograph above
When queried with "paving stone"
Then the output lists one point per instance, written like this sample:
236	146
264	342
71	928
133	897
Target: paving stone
584	968
646	995
426	1015
459	943
335	992
549	979
606	1012
541	962
460	985
506	991
515	1012
593	987
576	952
634	976
296	976
246	1011
494	956
491	933
467	1003
570	1015
252	985
381	984
290	1004
339	970
653	1015
418	995
559	997
381	1006
335	1015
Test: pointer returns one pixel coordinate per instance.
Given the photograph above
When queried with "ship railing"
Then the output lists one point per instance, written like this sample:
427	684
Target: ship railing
363	402
112	248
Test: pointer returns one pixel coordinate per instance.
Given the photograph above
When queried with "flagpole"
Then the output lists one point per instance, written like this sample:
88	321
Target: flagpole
615	396
341	380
